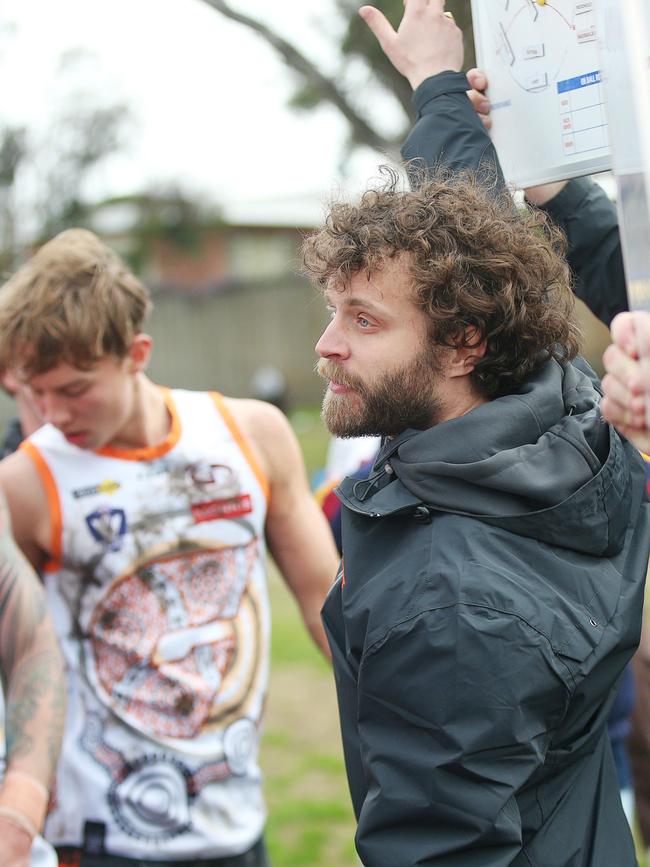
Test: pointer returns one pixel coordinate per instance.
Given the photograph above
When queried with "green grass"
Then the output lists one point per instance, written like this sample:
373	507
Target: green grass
640	853
290	642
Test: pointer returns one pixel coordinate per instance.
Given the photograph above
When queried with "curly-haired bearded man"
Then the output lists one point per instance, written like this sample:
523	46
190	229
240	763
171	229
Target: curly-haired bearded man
492	585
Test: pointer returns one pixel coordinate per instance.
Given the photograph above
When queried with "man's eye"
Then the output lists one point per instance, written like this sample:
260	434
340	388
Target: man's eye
363	322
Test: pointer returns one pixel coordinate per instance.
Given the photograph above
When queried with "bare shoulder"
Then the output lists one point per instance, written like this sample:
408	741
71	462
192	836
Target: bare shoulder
268	431
28	509
18	473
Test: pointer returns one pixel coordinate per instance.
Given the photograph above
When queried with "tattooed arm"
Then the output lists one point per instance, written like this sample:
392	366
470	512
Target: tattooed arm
32	676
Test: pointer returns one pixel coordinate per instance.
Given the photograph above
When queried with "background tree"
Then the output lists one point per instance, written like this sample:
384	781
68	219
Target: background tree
45	171
13	151
358	46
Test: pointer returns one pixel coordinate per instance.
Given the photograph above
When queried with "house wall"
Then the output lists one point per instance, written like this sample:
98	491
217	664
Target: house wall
218	341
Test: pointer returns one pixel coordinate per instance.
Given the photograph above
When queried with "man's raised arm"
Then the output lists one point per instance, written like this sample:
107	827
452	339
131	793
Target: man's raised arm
450	131
427	48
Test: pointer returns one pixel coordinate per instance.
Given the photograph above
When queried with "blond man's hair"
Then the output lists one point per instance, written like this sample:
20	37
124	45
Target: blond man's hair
74	301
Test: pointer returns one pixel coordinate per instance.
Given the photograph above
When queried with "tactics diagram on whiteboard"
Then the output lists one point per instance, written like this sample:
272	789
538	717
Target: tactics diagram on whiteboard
542	63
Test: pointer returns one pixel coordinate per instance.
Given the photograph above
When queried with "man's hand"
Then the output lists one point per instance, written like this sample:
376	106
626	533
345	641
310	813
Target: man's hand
627	382
539	195
15	845
478	82
426	42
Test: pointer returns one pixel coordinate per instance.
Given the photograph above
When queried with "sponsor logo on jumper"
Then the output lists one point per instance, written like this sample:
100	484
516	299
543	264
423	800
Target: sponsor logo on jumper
156	468
203	473
215	510
107	526
108	486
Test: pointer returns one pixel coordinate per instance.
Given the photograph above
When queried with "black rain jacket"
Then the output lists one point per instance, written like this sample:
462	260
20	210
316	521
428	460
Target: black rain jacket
490	597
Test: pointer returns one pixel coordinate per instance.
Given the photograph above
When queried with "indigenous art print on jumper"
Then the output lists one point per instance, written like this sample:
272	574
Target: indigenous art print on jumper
163	614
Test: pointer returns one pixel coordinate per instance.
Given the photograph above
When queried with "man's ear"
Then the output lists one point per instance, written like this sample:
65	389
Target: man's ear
469	350
139	353
9	382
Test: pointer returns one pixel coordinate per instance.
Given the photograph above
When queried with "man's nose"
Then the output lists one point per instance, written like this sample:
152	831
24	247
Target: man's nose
54	411
332	343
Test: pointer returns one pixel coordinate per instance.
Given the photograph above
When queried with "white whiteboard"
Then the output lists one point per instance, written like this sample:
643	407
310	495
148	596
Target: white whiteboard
545	88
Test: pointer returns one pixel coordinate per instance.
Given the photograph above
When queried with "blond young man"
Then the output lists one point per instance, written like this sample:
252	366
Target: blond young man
147	511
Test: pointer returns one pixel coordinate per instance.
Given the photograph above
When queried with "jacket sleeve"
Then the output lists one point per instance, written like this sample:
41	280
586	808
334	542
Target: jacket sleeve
456	711
448	132
589	220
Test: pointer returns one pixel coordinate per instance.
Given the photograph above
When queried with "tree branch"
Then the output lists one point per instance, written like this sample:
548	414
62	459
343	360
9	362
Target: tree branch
361	132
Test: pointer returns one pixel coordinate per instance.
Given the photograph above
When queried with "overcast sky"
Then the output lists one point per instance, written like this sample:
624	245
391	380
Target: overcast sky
209	97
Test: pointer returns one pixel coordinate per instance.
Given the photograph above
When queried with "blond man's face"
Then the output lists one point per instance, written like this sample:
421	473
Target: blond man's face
89	406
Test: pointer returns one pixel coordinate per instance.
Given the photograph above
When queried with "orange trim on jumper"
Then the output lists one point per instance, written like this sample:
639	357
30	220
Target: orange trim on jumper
150	453
69	857
53	503
645	457
241	441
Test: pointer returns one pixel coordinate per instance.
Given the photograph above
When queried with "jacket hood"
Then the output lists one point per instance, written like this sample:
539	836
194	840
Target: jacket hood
541	462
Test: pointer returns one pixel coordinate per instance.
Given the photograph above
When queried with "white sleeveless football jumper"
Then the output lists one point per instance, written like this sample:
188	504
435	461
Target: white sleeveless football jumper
158	593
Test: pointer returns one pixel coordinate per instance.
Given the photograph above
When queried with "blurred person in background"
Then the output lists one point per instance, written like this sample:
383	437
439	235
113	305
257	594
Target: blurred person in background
269	384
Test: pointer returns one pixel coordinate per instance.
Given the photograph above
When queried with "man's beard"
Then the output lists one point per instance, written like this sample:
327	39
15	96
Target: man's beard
402	399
